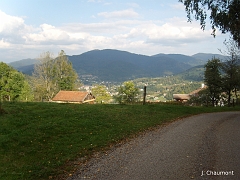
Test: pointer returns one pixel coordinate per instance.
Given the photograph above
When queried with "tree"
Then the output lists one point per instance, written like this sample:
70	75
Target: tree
3	68
44	75
202	99
127	93
26	93
101	94
13	86
231	70
53	74
212	78
67	77
224	15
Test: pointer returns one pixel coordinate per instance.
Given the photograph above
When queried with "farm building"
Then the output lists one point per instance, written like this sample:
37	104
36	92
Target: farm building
79	97
186	97
181	97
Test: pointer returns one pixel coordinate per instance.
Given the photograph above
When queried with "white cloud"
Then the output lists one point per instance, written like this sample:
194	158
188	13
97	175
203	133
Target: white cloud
4	44
12	29
48	33
128	13
102	28
135	35
173	32
10	24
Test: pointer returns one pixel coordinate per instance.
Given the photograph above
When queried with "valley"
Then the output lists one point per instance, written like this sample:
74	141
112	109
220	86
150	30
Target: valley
163	74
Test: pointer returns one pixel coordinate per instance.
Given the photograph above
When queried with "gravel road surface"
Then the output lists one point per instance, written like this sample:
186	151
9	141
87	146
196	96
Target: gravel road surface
205	146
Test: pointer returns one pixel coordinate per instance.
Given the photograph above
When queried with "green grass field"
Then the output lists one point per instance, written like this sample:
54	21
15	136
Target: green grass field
38	140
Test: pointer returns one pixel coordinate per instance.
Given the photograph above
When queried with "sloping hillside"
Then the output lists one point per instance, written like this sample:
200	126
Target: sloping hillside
26	65
23	63
114	65
193	74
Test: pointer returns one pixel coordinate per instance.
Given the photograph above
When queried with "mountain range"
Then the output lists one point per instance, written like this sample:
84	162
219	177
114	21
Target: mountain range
117	66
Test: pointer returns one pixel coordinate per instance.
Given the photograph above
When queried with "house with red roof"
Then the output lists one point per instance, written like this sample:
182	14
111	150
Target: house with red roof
79	97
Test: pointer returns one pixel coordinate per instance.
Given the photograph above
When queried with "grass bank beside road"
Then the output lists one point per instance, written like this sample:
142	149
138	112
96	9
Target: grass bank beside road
37	140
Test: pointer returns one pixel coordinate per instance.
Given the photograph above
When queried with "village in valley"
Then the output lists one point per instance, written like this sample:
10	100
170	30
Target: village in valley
156	90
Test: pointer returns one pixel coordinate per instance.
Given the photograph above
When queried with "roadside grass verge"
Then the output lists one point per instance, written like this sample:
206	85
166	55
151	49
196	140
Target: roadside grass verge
37	140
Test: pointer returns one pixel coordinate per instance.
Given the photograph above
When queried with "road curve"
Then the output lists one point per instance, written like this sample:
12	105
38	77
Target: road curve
205	146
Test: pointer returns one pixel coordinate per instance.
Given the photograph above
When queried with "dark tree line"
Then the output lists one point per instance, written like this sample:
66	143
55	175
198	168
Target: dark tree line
223	78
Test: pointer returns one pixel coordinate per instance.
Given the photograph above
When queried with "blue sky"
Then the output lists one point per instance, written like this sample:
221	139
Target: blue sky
30	27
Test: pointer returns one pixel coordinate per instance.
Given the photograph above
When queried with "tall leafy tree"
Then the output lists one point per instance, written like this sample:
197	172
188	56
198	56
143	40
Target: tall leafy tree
67	77
213	80
231	70
127	93
26	93
4	68
101	94
13	86
44	74
224	15
53	74
4	73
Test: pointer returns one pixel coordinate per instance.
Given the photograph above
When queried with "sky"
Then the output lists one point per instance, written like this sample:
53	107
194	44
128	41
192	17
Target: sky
29	28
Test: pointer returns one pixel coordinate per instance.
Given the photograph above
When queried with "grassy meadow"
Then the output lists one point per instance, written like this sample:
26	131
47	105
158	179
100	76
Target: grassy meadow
40	140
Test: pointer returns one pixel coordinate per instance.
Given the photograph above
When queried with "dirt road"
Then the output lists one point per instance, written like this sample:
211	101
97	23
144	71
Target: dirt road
205	146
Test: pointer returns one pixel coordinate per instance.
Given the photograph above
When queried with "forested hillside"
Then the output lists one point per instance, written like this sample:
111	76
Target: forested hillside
119	66
193	74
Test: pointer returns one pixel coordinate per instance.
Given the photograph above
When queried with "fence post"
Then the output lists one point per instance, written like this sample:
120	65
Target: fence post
144	95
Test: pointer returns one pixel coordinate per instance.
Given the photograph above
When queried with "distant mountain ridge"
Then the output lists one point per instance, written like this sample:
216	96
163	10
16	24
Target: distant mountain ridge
205	57
23	63
118	66
114	65
183	58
